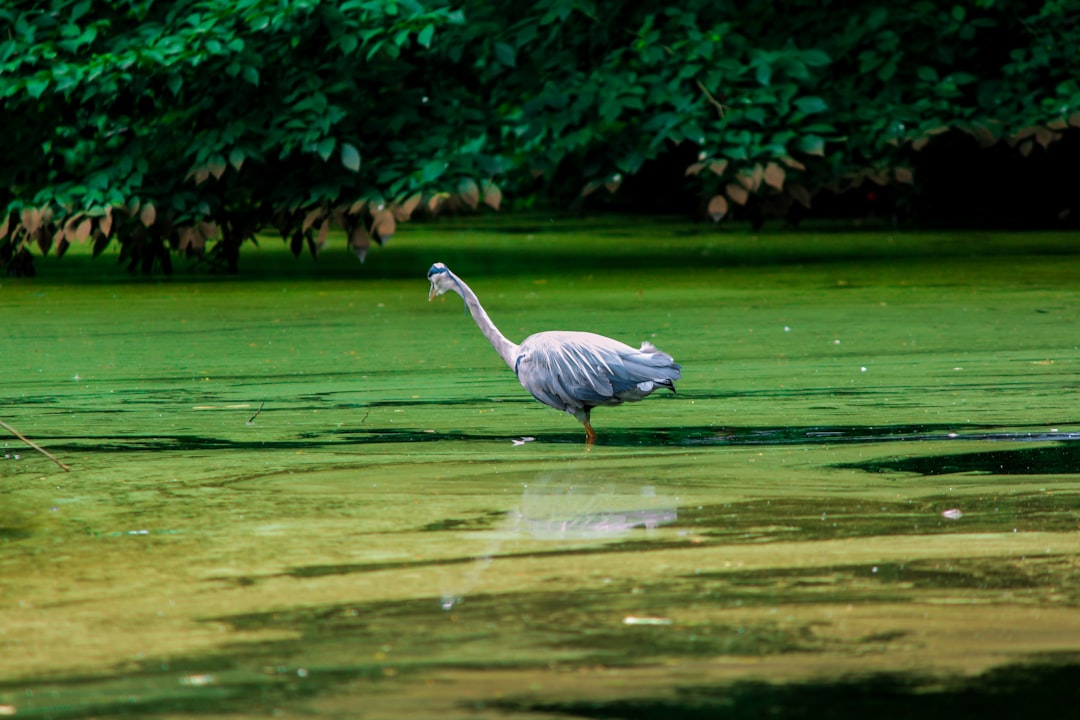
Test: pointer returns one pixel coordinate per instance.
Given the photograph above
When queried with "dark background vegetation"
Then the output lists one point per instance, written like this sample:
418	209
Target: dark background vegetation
186	127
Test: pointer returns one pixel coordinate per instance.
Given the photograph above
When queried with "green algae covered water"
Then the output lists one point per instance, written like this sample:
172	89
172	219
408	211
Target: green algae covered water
308	491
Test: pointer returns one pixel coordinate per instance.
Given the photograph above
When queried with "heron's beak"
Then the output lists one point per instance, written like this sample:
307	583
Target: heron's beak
431	293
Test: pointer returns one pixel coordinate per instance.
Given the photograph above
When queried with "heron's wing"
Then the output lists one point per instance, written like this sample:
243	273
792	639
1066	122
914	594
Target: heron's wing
570	370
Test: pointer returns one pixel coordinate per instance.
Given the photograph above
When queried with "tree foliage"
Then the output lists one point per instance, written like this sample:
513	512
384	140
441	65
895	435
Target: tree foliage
189	125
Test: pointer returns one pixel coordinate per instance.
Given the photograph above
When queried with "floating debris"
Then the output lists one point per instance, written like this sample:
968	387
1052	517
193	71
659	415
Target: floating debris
646	620
251	421
523	440
952	514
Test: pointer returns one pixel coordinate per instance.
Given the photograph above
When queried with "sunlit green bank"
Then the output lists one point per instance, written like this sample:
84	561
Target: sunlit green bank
308	490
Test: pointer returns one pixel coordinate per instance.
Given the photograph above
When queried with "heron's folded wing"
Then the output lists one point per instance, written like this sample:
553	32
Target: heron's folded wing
568	372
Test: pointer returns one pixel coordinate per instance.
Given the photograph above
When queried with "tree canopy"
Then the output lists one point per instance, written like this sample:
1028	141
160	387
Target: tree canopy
190	125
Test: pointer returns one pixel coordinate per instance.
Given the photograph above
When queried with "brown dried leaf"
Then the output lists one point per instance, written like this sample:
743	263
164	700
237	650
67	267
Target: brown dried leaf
878	177
216	166
492	195
31	220
718	166
737	193
792	163
320	239
312	217
148	214
1045	136
187	236
718	207
339	216
411	203
383	226
359	241
435	203
5	226
938	130
774	176
1025	133
799	194
920	143
1074	119
904	175
469	192
1026	147
198	239
1057	123
694	169
590	188
83	231
201	176
613	184
69	227
357	207
983	135
208	230
105	223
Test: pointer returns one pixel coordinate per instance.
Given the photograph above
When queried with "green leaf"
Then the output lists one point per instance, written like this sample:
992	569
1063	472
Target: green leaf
815	58
506	54
811	144
236	158
36	85
79	10
433	170
350	157
424	36
926	73
810	105
763	74
326	147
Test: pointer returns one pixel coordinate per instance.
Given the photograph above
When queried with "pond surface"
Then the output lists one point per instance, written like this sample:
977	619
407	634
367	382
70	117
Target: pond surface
309	492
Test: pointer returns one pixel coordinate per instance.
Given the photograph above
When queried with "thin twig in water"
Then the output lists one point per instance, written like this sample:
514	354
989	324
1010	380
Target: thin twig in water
34	445
252	419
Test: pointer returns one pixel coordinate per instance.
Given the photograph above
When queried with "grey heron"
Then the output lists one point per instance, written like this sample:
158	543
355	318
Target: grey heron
570	371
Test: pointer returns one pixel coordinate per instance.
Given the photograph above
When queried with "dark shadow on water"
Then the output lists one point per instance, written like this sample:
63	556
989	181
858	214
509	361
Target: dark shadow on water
1062	458
1031	691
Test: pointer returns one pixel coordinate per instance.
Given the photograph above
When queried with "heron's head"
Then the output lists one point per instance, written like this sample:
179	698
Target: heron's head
441	280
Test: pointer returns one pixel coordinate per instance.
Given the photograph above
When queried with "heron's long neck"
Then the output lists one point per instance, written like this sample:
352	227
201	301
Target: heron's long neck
506	349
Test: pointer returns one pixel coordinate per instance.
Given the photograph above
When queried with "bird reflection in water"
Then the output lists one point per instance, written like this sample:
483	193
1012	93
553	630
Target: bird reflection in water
562	507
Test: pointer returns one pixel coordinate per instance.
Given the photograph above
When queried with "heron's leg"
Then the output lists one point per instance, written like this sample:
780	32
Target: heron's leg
583	416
